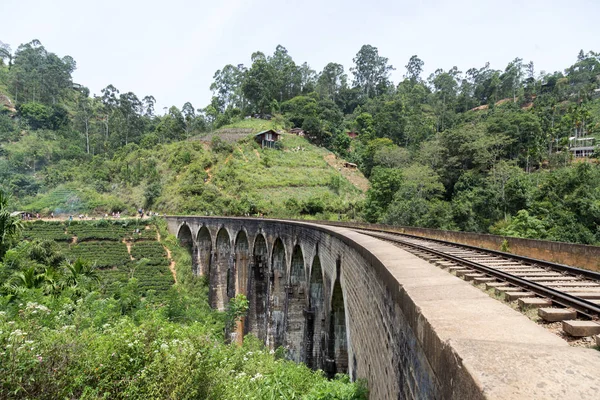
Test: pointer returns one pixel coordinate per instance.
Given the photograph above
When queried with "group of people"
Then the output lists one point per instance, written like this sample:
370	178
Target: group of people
28	216
142	213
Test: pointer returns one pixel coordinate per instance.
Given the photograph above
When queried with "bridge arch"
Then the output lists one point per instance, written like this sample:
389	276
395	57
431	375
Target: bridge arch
203	257
257	288
337	351
186	240
296	304
220	271
242	259
277	294
314	336
184	235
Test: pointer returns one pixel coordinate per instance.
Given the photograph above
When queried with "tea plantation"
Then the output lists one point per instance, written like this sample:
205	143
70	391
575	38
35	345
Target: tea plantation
121	249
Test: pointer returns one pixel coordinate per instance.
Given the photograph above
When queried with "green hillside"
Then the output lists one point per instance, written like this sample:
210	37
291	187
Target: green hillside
223	173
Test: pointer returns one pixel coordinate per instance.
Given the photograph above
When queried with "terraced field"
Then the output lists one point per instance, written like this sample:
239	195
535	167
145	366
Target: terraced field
121	249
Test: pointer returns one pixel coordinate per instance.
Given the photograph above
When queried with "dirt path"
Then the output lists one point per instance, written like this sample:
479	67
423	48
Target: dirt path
242	152
353	175
172	262
257	154
128	245
207	170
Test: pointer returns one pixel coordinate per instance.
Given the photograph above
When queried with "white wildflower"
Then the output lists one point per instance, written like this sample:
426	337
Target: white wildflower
18	332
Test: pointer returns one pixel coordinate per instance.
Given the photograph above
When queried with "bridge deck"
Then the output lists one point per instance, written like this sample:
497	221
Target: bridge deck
508	355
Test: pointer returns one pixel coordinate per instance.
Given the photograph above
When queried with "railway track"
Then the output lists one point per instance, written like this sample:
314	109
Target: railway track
560	293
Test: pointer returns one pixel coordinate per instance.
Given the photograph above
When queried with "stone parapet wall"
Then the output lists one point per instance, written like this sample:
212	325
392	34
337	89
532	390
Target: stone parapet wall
576	255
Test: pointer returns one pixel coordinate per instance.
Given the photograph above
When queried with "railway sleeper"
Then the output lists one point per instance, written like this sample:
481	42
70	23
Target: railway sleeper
559	278
578	328
516	295
533	302
484	279
473	276
556	314
462	272
584	295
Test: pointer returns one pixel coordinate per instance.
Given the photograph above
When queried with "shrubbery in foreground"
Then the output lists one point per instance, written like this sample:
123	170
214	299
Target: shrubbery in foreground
132	344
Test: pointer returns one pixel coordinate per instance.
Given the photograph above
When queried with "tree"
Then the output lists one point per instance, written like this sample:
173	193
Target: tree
259	86
38	75
227	85
445	86
371	71
10	226
307	78
189	115
331	80
385	182
523	225
130	110
417	200
172	126
363	124
6	54
148	103
79	275
110	103
512	77
414	69
527	141
84	116
287	76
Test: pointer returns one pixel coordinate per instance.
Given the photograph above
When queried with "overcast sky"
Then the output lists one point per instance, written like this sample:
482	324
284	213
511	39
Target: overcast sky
171	49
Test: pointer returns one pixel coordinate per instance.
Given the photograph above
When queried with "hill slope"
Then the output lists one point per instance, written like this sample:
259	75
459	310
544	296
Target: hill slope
219	174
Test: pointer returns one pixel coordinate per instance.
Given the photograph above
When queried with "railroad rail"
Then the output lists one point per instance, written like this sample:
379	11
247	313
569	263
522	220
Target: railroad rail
524	277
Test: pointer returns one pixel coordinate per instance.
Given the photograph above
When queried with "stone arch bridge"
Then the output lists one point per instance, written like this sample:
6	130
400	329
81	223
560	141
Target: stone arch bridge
341	301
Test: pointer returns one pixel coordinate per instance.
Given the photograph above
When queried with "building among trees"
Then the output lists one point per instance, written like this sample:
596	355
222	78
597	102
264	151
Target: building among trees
582	147
267	138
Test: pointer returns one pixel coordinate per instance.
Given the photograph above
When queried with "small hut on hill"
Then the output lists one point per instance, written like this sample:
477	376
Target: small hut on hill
267	138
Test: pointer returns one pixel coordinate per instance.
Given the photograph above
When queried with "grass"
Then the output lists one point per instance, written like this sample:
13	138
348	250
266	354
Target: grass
233	179
246	178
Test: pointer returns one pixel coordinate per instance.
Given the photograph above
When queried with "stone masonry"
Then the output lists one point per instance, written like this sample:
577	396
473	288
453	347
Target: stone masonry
345	302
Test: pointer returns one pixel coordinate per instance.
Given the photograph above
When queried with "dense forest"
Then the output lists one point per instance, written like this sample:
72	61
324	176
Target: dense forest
484	150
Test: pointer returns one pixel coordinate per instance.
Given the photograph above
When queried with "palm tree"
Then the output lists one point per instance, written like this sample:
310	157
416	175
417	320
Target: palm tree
80	272
53	284
29	278
9	225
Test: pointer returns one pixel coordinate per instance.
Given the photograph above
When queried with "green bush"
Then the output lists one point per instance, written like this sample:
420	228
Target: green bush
136	335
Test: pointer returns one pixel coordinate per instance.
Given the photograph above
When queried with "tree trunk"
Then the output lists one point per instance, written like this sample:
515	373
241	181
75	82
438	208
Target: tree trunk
87	136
